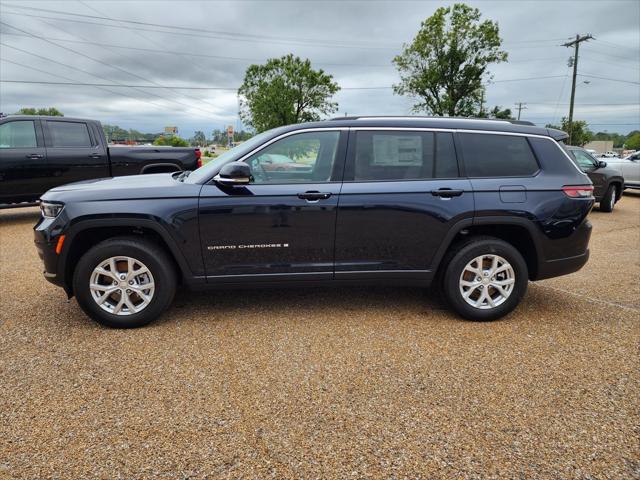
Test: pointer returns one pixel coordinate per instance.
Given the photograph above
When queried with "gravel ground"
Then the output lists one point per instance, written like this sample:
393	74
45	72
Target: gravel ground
361	383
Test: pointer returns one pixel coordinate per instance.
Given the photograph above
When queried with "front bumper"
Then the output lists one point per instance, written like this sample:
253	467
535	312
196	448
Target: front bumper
46	234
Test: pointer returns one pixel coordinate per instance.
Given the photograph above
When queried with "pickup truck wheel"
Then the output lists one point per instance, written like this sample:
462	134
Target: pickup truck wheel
485	279
124	282
609	200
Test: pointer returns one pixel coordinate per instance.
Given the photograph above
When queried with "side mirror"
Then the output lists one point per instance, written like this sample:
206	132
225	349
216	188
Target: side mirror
234	173
601	164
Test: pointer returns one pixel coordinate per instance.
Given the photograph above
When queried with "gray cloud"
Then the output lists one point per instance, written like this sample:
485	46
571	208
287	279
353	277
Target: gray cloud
353	40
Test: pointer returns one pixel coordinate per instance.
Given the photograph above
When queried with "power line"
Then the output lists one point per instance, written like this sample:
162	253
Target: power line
186	87
98	87
244	36
608	78
201	55
102	63
351	45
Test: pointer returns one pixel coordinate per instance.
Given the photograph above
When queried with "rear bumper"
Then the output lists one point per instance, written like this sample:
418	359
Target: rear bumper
576	245
561	266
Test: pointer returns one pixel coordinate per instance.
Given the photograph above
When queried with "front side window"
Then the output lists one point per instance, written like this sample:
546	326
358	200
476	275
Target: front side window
491	155
407	155
18	134
584	160
69	134
300	158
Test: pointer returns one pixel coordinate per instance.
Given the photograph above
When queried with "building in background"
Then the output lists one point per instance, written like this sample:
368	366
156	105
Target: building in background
600	146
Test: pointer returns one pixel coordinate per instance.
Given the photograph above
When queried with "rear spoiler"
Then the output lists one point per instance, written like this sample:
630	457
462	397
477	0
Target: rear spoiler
557	135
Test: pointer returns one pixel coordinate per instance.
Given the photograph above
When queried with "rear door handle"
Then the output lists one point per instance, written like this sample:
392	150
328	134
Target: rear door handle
447	192
35	156
314	196
95	155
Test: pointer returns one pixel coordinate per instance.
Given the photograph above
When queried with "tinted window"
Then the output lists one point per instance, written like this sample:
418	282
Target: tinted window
69	134
19	134
404	156
584	160
301	158
488	155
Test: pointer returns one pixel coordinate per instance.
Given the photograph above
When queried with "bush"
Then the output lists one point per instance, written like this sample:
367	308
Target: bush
173	141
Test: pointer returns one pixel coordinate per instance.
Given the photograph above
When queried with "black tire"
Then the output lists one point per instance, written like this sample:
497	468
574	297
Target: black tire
609	200
151	255
464	253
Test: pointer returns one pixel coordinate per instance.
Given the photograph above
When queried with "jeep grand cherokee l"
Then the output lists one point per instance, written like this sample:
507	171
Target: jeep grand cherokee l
476	207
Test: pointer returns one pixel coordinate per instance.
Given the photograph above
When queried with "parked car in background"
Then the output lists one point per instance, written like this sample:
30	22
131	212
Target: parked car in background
274	162
610	154
608	182
38	153
630	168
475	207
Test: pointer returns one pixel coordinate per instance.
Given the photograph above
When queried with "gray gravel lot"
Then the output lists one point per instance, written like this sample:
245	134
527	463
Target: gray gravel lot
361	383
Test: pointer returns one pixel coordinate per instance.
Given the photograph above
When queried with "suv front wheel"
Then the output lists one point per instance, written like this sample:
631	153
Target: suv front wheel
485	278
124	282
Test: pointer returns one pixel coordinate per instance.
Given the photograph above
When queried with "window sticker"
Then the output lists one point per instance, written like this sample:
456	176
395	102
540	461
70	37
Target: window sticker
392	150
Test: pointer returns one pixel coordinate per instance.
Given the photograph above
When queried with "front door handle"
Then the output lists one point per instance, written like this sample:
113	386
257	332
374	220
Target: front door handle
35	156
447	192
95	155
314	196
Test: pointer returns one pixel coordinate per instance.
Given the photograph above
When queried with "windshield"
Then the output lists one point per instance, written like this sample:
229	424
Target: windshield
205	172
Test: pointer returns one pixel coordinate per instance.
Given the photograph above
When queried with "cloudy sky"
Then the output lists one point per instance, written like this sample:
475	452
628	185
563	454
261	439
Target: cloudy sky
207	46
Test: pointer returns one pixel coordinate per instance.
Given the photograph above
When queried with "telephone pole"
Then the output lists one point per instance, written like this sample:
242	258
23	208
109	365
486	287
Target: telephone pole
576	45
521	106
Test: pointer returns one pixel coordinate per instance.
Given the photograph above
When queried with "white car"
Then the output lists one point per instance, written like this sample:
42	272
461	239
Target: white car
630	168
610	154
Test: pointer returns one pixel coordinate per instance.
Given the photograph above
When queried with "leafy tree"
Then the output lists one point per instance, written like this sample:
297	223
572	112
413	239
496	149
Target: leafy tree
496	112
502	114
51	111
173	141
633	141
199	138
447	61
283	91
580	133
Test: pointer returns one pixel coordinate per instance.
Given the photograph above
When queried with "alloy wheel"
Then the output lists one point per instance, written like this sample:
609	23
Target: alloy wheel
487	281
122	285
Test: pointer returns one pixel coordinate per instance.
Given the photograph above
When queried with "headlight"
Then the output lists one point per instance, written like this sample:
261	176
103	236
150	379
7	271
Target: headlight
50	210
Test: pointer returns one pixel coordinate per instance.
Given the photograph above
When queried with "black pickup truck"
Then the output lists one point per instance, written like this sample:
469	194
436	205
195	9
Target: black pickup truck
38	153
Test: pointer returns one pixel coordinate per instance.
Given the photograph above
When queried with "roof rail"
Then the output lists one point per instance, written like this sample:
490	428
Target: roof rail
419	117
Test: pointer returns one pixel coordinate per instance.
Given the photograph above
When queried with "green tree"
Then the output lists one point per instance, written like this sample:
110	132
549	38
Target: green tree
283	91
501	114
173	141
199	138
446	63
580	133
633	141
51	111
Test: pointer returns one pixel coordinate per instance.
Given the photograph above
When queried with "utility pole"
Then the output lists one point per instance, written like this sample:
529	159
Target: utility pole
521	106
576	45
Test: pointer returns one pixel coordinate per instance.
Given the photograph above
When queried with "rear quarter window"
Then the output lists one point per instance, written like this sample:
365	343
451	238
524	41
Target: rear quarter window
490	155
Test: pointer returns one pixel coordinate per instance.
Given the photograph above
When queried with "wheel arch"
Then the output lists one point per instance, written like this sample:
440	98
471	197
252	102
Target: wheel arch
164	167
85	234
519	232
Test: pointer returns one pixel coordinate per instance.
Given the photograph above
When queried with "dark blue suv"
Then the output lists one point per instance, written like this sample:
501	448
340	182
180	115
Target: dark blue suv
476	207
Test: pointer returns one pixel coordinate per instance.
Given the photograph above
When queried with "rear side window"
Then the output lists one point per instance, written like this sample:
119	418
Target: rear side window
18	134
404	156
489	155
69	134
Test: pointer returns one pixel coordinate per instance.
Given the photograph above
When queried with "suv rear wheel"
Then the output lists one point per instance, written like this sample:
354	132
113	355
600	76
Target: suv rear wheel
124	282
485	279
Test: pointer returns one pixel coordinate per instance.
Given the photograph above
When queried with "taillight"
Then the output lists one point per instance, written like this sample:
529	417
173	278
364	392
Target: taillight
582	191
199	157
